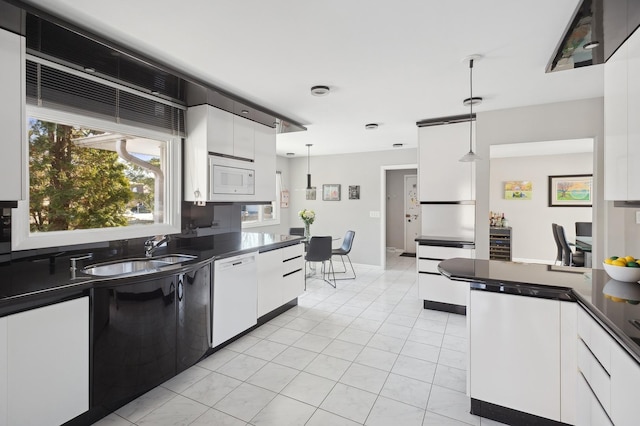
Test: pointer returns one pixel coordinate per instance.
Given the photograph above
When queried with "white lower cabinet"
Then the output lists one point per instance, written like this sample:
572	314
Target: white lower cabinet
46	356
4	372
280	277
625	387
432	286
515	352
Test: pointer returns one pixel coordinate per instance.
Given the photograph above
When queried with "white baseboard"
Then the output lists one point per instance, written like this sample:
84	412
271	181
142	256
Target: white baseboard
540	261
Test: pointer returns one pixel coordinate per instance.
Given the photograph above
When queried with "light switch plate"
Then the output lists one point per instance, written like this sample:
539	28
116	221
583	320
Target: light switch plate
375	214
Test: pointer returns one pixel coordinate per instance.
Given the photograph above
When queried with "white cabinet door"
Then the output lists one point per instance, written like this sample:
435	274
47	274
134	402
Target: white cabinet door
243	138
219	131
568	361
515	352
633	112
293	272
196	155
48	363
4	373
269	281
625	386
12	121
615	125
265	162
439	149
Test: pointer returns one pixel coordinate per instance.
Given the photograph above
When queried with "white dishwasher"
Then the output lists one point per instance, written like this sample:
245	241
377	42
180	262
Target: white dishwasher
235	295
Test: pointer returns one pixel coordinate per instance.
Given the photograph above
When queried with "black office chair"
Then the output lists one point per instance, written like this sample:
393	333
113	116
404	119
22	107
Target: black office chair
558	244
296	231
344	250
319	250
569	258
583	229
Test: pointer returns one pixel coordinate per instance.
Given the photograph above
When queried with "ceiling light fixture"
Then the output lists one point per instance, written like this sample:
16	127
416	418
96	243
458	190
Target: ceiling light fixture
470	101
309	166
89	69
591	45
371	126
320	90
290	154
245	111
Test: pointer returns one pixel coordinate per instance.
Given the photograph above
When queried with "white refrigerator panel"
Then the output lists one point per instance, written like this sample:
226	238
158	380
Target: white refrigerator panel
449	220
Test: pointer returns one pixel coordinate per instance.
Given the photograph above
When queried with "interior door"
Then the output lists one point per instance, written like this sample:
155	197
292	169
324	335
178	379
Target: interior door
411	213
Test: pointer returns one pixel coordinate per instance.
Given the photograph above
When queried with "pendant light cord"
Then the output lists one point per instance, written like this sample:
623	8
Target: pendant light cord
470	105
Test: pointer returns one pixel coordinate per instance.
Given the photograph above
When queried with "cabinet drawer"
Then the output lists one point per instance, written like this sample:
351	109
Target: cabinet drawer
292	286
439	288
292	265
590	412
428	265
437	252
290	252
596	376
596	338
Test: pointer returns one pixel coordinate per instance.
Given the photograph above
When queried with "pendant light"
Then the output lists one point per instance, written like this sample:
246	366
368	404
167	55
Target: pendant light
308	166
471	156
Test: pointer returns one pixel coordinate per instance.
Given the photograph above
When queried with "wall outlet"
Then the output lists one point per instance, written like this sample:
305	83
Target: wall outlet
638	217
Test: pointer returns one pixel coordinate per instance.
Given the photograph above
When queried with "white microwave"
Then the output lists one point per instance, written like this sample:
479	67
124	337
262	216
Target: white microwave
231	180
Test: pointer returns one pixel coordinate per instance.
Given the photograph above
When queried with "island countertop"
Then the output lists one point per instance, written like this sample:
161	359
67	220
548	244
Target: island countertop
613	303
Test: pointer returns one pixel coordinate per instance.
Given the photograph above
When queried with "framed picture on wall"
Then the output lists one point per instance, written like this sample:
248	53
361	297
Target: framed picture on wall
518	190
331	192
570	191
354	192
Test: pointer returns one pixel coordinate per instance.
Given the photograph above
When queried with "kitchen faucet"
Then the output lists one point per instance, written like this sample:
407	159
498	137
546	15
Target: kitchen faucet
153	243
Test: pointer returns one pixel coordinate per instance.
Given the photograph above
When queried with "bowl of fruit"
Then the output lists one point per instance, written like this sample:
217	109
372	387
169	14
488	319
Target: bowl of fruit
622	268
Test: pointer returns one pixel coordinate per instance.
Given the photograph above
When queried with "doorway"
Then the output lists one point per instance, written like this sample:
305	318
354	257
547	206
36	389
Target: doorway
392	208
412	222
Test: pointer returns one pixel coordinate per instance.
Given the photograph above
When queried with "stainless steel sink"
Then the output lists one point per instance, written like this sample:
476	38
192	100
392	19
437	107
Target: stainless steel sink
135	266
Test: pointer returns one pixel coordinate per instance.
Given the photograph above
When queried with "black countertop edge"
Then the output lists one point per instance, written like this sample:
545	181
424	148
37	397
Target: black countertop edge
550	291
439	241
61	284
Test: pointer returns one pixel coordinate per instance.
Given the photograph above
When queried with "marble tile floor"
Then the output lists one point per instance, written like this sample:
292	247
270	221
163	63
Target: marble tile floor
366	353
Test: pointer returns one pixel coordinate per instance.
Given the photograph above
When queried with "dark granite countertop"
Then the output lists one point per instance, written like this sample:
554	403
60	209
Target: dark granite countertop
31	282
614	304
440	241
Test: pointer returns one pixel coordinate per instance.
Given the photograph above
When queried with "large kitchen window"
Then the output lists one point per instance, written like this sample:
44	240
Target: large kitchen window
254	215
92	181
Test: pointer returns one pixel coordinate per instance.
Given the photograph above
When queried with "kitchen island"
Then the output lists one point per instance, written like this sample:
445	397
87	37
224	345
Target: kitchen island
550	344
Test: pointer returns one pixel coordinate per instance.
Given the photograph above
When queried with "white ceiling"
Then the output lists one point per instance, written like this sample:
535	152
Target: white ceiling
387	62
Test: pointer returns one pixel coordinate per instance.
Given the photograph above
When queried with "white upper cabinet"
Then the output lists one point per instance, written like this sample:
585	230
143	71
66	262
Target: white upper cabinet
12	123
442	176
237	142
622	129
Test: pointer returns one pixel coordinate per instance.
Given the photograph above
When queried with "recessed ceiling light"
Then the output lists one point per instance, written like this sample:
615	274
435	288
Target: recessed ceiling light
591	45
320	90
371	126
245	111
155	92
89	69
290	154
476	100
398	145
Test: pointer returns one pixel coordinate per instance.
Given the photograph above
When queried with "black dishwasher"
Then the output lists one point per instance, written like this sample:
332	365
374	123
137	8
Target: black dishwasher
146	332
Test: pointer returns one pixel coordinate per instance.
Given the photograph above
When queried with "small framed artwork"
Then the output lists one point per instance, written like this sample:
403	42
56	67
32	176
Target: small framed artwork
284	198
518	190
311	193
331	192
570	191
354	192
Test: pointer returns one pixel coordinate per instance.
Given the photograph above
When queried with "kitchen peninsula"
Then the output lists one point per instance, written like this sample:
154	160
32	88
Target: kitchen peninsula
550	344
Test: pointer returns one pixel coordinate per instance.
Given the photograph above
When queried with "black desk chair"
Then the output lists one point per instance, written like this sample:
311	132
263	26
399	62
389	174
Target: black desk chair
558	244
344	250
583	229
319	250
569	258
296	231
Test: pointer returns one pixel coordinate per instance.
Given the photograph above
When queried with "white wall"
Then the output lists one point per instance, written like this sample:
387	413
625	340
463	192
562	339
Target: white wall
557	121
336	217
395	207
531	220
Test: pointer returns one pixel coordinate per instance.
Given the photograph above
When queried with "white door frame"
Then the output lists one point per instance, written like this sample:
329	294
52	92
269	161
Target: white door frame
383	205
406	249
